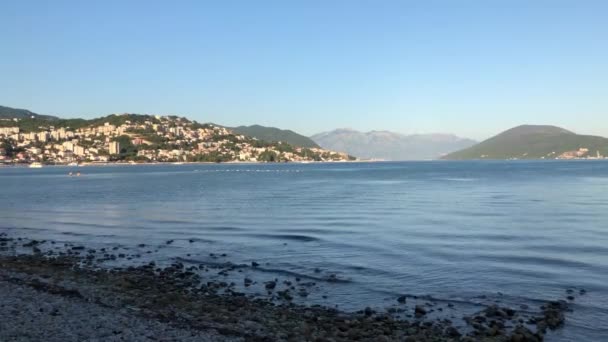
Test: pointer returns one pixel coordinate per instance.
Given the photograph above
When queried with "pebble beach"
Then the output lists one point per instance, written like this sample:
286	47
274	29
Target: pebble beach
70	296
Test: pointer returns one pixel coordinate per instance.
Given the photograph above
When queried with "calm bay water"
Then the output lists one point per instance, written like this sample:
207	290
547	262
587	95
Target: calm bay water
459	232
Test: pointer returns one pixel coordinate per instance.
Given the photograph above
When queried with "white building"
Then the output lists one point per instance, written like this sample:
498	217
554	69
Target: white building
79	150
114	147
9	130
42	136
68	146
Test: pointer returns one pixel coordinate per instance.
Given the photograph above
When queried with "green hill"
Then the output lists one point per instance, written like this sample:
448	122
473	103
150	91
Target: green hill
15	113
532	142
34	123
273	134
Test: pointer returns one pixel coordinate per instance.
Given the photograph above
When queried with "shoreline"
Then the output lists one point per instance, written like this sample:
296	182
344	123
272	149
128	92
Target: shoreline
26	165
180	297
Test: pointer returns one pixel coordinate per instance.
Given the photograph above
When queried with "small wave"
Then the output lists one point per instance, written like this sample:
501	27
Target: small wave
223	228
289	237
323	231
210	263
27	228
477	213
591	249
302	275
199	240
82	224
175	236
84	234
169	221
457	179
534	260
511	271
260	269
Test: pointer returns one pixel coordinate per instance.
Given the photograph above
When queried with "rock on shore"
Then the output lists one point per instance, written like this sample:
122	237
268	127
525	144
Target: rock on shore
68	298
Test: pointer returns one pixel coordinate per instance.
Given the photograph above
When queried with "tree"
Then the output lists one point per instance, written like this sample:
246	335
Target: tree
128	151
268	156
6	145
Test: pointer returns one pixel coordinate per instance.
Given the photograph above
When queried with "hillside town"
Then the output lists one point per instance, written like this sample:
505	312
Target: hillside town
581	153
142	138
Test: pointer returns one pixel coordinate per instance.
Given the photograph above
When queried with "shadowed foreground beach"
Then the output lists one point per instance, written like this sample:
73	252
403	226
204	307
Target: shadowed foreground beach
67	297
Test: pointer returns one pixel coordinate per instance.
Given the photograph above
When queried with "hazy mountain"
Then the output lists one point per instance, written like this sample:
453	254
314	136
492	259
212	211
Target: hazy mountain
15	113
389	145
275	134
532	142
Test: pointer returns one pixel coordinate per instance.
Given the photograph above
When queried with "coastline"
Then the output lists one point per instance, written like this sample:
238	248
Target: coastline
88	164
179	299
191	163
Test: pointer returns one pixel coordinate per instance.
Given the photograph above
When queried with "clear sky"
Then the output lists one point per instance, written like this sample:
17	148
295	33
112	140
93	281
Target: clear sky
473	68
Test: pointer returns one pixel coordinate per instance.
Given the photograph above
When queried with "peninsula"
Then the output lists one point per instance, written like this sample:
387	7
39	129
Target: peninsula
26	137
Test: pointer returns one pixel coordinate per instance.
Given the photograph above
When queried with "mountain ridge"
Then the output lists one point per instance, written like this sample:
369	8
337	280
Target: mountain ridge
18	113
387	145
275	134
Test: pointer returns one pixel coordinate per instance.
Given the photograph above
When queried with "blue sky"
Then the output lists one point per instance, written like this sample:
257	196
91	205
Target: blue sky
473	68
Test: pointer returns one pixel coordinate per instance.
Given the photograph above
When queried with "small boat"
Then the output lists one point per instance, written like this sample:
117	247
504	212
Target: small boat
73	164
35	165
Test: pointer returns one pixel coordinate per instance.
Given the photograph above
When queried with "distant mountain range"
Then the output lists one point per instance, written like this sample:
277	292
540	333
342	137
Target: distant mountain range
521	142
391	146
535	142
15	113
275	134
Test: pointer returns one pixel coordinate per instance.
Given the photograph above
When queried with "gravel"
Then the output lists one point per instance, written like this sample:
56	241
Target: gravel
31	315
67	297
